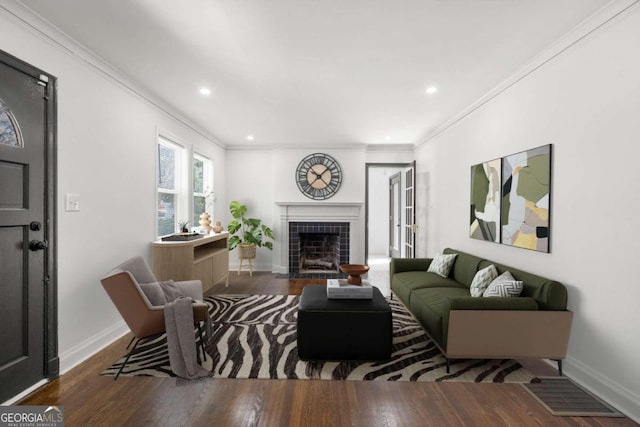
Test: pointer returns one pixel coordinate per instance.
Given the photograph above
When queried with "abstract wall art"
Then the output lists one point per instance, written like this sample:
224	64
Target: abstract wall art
526	188
485	201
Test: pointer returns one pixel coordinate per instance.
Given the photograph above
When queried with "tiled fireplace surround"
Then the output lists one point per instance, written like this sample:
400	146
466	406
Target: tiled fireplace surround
296	228
344	219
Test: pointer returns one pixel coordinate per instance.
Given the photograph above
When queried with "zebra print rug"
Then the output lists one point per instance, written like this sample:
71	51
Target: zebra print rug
255	337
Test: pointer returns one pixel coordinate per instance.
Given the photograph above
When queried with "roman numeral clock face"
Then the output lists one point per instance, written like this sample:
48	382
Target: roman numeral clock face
318	176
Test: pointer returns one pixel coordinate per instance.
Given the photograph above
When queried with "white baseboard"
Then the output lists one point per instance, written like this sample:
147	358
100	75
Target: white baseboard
78	354
621	398
82	351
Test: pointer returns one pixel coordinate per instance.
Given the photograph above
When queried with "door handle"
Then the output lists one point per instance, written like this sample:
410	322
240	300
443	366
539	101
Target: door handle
38	245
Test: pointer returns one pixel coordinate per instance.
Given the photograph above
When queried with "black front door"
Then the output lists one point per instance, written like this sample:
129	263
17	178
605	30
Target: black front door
27	321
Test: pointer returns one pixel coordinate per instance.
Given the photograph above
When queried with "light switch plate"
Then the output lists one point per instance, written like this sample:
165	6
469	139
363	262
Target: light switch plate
72	202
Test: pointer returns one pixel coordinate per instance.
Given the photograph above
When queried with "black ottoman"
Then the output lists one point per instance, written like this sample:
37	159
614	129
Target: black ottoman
343	329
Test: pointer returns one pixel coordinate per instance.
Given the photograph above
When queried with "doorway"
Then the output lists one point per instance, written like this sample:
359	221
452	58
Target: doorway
386	215
28	295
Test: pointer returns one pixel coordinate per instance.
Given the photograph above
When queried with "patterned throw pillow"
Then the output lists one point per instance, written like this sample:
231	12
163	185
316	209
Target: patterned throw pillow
441	264
504	286
482	279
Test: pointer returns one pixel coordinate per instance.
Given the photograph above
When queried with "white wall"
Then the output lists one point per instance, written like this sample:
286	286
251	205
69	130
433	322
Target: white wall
106	153
586	102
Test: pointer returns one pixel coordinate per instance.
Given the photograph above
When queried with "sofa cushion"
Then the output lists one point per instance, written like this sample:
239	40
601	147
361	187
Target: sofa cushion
482	279
441	264
403	284
465	266
427	305
504	286
549	294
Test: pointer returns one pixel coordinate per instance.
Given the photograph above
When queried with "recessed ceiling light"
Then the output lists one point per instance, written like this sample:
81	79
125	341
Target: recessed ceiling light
205	91
387	138
250	137
431	90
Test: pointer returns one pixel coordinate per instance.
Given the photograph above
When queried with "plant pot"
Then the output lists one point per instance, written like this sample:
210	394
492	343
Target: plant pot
247	250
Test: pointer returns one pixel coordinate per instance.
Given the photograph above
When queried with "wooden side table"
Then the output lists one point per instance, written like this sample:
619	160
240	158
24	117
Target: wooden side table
205	259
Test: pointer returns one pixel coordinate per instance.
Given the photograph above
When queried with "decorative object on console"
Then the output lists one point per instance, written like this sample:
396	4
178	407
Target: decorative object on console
205	222
441	264
485	201
354	271
181	237
319	176
526	188
217	228
183	226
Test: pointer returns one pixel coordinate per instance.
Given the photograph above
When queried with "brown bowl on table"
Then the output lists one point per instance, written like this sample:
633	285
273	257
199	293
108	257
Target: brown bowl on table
354	271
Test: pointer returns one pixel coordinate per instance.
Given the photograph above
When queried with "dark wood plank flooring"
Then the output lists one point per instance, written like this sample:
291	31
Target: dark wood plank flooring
90	399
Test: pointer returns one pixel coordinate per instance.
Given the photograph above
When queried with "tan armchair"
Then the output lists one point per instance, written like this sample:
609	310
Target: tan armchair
122	285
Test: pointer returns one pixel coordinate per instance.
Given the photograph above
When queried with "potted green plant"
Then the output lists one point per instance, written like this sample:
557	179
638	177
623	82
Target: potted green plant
247	233
183	226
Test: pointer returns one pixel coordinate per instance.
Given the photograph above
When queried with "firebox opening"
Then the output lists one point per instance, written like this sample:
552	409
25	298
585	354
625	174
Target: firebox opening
319	252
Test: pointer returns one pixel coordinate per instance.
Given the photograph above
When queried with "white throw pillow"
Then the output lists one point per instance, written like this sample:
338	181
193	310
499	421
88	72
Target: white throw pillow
482	279
504	286
441	264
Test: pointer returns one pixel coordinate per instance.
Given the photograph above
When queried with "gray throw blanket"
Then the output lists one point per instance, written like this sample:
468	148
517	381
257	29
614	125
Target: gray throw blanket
178	319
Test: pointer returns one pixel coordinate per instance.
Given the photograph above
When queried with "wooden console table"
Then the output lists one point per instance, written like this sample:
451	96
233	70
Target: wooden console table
205	259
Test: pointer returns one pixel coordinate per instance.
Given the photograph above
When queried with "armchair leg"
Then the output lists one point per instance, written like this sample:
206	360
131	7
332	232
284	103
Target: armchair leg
204	353
127	358
132	338
448	364
559	361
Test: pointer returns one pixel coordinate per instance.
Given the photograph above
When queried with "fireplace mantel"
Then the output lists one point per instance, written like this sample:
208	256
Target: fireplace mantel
320	211
351	212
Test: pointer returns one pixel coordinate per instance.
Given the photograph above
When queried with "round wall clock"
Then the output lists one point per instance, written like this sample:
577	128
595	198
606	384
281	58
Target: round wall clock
318	176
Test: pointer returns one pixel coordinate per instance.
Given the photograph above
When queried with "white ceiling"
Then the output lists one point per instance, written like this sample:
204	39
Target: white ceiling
317	72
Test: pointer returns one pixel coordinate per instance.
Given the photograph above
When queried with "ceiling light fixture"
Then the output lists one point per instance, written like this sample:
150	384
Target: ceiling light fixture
387	138
431	90
205	91
250	137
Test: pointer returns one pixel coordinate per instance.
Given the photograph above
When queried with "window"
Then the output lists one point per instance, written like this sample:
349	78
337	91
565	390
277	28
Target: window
169	185
184	187
203	196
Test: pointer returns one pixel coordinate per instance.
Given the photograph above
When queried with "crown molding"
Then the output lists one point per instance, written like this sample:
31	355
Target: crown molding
297	148
605	14
52	35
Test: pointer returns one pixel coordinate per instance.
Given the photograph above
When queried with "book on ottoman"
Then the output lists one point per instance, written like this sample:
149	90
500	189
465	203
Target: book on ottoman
340	289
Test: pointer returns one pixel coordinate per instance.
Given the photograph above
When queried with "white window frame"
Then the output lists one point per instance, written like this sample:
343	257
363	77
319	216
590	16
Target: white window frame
208	188
181	202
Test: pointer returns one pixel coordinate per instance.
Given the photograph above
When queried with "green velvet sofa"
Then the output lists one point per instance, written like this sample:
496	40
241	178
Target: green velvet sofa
534	325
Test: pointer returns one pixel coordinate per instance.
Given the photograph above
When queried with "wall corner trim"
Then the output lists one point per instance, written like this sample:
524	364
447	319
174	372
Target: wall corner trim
608	12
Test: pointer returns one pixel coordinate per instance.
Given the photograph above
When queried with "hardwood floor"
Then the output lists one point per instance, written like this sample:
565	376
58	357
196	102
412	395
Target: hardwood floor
90	399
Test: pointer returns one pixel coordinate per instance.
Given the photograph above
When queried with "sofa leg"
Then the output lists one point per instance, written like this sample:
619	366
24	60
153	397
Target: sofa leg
559	361
448	364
